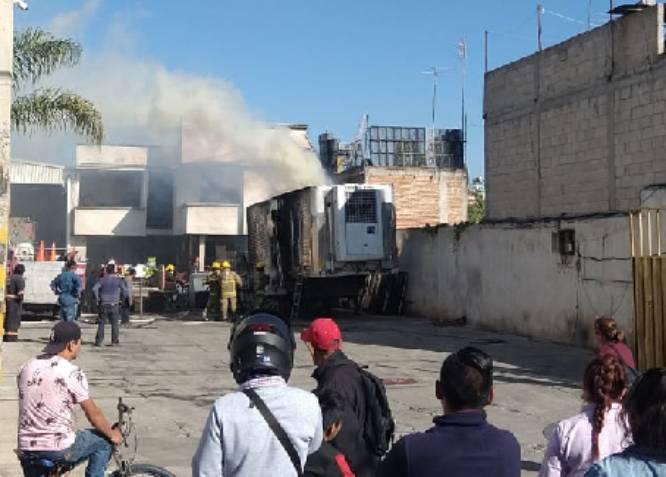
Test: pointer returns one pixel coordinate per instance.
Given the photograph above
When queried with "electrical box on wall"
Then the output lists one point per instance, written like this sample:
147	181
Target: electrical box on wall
564	242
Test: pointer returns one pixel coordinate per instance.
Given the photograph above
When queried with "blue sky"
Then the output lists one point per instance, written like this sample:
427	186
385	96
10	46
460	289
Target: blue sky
326	63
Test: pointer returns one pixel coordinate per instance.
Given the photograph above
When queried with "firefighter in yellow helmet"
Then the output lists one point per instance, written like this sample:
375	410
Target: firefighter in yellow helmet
230	282
170	288
213	282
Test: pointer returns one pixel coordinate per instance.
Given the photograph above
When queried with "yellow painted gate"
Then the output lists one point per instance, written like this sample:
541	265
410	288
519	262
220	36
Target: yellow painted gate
649	277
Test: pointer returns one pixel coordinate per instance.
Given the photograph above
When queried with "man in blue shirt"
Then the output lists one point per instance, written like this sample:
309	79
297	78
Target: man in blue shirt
110	291
462	443
67	286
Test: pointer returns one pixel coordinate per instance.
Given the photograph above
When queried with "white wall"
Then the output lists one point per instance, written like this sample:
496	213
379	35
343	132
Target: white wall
506	276
202	219
117	222
116	156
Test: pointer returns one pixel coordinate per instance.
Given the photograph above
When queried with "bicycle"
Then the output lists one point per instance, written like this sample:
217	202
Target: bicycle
125	463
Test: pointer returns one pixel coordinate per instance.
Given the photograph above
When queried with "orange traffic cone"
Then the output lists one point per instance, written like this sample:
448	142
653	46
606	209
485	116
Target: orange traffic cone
53	256
40	252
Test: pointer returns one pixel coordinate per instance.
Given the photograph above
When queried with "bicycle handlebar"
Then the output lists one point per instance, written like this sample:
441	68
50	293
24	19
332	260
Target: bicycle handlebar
123	408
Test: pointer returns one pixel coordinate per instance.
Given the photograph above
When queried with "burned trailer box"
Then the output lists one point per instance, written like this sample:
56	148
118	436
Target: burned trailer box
329	238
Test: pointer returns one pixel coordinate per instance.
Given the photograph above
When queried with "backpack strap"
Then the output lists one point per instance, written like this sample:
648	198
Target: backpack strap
277	429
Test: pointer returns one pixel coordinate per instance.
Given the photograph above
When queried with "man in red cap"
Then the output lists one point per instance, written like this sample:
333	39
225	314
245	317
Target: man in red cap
337	373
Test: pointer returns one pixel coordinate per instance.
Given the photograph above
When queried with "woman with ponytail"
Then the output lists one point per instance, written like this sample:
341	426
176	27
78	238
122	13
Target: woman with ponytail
595	433
644	409
610	341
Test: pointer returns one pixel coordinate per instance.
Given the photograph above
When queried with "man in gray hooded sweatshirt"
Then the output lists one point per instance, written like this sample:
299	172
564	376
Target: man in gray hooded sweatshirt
265	427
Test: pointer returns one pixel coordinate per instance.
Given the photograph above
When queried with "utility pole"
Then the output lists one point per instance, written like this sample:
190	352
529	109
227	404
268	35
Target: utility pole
6	62
434	71
540	12
462	54
485	51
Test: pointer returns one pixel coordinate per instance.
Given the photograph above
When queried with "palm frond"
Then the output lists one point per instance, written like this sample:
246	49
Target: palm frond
56	110
38	53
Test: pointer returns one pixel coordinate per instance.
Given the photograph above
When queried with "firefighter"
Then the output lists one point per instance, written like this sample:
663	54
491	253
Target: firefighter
213	281
230	282
170	292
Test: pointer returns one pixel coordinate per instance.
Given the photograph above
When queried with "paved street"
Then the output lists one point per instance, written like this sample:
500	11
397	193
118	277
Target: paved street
171	371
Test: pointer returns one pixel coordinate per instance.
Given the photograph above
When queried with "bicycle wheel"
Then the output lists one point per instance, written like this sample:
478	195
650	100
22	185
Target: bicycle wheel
146	470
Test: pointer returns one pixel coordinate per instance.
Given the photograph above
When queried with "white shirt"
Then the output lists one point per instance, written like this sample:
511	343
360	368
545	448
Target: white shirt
569	452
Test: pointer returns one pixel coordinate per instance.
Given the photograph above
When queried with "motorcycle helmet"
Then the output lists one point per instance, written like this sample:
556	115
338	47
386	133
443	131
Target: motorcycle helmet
261	344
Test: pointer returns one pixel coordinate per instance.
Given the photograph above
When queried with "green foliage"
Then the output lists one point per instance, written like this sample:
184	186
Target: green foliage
477	211
37	54
56	110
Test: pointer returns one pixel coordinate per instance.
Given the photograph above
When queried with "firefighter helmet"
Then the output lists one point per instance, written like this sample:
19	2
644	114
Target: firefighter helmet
226	264
216	265
170	268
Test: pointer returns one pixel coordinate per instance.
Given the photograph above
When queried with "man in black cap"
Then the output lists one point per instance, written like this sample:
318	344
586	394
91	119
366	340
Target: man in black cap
49	385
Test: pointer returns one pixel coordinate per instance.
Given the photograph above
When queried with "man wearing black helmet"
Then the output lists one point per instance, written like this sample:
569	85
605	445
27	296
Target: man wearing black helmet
265	427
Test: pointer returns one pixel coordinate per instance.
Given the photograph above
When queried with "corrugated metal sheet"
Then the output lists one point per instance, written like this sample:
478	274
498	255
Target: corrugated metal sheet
26	172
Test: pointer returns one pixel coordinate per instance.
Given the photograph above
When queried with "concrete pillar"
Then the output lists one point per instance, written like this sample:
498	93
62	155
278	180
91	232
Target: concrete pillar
202	252
144	190
6	61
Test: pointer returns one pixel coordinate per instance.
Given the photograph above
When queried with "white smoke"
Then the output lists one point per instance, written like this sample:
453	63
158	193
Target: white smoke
73	22
144	103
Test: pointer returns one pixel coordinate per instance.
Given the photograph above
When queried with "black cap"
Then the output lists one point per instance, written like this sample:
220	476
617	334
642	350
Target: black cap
63	332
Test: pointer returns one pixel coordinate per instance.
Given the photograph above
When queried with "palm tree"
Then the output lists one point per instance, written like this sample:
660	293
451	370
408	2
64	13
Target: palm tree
36	54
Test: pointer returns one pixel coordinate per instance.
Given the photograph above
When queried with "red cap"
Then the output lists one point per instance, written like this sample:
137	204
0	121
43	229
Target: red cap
323	333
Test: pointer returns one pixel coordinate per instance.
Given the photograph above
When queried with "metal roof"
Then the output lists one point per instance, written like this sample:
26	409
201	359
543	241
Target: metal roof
28	172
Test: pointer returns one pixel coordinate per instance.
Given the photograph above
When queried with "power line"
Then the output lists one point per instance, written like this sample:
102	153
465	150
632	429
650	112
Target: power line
569	19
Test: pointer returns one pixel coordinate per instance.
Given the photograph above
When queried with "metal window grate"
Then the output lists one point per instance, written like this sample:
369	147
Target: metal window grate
361	207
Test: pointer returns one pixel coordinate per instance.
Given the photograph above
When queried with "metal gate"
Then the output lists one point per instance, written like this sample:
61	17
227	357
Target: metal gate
649	277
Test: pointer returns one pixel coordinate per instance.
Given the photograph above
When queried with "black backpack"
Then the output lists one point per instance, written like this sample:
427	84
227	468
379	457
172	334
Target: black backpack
379	425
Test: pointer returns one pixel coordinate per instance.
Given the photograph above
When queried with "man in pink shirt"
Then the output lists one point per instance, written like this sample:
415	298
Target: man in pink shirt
49	386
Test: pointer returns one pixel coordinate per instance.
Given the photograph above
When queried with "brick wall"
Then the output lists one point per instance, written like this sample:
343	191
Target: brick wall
580	127
457	196
422	195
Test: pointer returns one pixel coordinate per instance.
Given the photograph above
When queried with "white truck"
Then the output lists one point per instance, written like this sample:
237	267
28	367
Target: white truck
38	297
320	244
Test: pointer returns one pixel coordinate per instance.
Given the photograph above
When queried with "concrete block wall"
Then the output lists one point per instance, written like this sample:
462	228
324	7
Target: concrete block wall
510	277
589	133
422	195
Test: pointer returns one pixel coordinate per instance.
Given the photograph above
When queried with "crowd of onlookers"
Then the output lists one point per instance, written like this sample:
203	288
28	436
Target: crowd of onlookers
344	427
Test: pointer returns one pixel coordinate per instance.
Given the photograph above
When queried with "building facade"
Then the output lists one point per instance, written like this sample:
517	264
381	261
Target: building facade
422	196
580	127
129	203
38	204
427	172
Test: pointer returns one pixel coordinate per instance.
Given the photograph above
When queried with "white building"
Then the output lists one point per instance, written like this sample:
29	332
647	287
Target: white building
133	202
